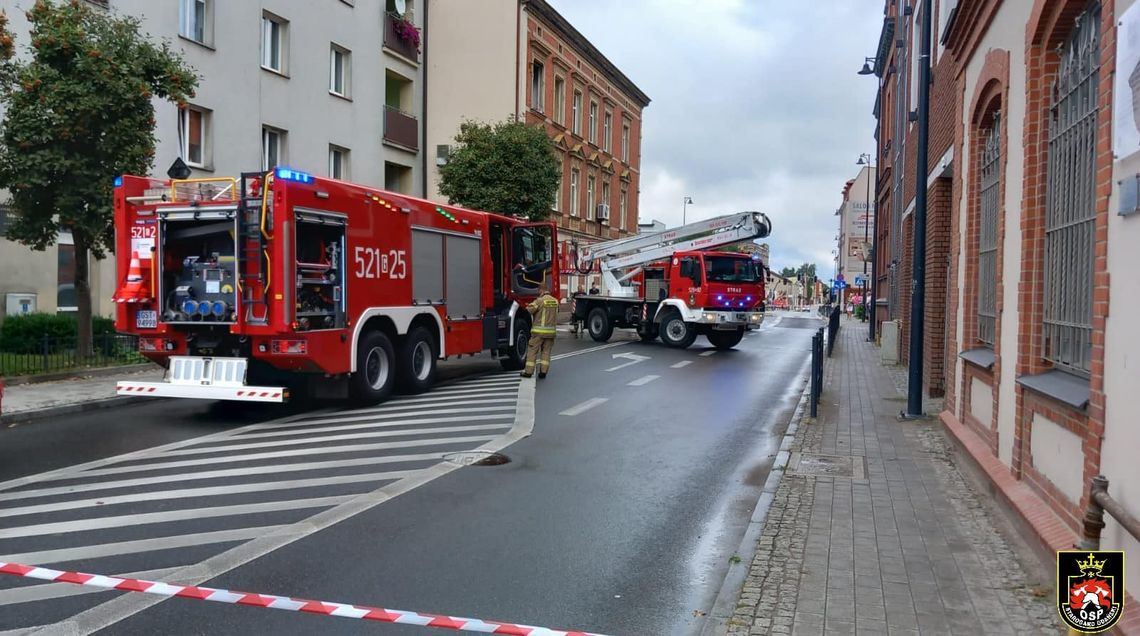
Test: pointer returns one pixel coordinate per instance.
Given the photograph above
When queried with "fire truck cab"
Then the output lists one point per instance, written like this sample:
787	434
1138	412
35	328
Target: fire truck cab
255	287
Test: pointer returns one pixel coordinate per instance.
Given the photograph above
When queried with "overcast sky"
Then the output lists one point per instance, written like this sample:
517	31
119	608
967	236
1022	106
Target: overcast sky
756	105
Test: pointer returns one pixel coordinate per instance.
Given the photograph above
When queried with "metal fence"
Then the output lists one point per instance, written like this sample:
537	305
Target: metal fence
820	342
50	355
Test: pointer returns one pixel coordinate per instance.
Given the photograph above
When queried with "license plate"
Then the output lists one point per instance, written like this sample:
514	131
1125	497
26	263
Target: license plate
146	319
742	316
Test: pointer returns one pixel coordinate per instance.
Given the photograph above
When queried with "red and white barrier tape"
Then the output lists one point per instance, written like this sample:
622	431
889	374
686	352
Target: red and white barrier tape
281	602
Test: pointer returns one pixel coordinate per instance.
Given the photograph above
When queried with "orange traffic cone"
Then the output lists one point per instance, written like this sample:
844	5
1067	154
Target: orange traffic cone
134	289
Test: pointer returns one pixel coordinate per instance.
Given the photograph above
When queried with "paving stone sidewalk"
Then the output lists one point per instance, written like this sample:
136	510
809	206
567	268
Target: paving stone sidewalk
886	537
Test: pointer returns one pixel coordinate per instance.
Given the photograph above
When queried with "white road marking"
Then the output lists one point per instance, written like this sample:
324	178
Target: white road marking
382	414
386	422
318	439
708	353
171	515
47	557
571	354
632	357
122	607
643	380
48	591
681	364
214	474
274	455
184	493
584	406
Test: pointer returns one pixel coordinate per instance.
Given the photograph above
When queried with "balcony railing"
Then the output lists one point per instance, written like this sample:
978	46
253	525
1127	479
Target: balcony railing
401	128
393	41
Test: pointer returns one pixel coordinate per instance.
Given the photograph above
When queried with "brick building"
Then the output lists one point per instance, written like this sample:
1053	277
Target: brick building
1034	215
496	58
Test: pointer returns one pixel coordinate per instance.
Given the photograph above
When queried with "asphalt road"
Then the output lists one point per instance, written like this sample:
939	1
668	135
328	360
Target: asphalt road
618	514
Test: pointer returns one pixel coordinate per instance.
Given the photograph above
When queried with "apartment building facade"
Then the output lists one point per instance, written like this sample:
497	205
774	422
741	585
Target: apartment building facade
523	58
856	216
330	88
1038	201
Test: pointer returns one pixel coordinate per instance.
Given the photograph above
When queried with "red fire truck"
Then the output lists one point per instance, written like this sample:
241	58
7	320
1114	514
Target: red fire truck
672	285
249	288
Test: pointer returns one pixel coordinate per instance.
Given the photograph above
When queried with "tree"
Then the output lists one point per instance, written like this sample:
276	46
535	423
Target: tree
788	272
509	168
79	113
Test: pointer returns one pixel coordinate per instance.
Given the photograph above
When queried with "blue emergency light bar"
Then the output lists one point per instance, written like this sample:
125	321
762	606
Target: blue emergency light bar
118	181
294	175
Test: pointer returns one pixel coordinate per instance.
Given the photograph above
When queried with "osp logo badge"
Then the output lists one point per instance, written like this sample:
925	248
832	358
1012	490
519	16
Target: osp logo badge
1090	592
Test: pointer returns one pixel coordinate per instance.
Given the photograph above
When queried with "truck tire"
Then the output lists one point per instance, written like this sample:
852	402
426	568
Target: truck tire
417	361
675	332
375	369
515	359
725	339
598	322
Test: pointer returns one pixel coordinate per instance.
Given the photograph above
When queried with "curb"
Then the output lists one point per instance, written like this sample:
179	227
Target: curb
95	372
31	415
725	603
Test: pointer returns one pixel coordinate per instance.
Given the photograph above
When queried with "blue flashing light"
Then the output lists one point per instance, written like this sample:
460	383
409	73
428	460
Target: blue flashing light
189	307
742	303
294	175
719	297
118	182
748	298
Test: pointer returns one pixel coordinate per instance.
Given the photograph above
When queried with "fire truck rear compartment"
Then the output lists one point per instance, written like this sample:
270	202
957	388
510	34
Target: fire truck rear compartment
199	282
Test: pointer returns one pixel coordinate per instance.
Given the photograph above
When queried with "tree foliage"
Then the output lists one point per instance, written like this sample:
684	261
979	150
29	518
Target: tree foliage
508	167
79	111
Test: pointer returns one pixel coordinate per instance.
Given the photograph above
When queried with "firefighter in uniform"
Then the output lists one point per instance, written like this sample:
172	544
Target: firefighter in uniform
544	312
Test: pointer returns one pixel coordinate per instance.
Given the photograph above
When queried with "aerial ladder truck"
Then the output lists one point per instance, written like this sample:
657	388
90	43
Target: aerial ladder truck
675	286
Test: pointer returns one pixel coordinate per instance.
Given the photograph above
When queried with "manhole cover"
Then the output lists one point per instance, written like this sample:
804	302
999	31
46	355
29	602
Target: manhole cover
477	458
828	465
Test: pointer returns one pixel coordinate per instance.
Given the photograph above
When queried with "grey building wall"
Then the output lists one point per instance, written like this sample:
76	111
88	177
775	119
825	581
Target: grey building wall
241	98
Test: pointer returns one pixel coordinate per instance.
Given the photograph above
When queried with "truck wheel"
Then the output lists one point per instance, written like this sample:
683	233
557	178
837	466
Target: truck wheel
515	359
375	368
599	324
725	339
675	332
417	361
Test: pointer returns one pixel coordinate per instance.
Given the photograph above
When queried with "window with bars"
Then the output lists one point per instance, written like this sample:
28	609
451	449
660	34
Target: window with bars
990	174
1070	211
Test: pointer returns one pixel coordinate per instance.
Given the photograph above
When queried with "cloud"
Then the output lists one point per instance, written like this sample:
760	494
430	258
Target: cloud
755	106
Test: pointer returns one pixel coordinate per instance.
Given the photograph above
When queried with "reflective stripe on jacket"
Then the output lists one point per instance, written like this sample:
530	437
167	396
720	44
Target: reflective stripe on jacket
545	312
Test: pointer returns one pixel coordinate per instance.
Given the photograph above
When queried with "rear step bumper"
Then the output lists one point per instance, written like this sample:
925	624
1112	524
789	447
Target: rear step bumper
203	392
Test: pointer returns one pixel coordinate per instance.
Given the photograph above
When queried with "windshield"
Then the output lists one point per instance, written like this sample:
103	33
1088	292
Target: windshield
727	269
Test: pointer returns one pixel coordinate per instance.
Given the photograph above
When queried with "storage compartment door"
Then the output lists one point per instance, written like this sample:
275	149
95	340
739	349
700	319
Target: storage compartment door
464	282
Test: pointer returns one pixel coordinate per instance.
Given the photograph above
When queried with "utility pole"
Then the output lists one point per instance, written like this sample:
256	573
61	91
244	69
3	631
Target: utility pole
918	280
685	209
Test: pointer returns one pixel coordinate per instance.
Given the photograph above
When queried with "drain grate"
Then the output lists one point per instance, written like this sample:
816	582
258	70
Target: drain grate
477	458
818	465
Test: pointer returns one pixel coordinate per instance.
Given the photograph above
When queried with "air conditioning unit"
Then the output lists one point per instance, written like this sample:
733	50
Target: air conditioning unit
442	153
603	212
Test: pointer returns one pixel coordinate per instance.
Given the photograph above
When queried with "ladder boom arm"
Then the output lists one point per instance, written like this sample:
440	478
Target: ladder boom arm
725	230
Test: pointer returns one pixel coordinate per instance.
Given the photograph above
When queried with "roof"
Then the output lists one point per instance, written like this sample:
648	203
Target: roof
567	30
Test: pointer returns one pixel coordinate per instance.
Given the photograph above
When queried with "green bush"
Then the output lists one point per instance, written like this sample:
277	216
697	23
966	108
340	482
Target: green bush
859	311
25	333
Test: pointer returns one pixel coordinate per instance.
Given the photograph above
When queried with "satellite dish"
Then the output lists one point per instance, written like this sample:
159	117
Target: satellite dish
401	6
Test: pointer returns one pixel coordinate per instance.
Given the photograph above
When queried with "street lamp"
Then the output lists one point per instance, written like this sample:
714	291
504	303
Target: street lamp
685	208
865	160
867	68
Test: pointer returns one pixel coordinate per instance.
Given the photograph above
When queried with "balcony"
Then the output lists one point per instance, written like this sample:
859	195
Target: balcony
395	43
401	129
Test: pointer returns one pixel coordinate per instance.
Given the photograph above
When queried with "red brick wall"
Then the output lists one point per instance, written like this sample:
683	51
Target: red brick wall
1050	24
937	263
